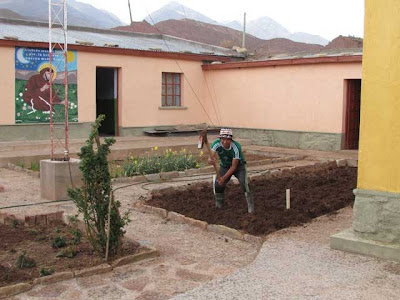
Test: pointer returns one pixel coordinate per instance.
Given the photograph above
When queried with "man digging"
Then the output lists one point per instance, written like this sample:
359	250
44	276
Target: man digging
232	162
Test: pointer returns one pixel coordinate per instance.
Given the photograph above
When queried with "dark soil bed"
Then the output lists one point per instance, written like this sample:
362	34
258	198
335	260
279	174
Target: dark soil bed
36	242
314	192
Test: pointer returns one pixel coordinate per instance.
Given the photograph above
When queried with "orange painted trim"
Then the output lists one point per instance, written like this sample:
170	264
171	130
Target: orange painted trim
119	51
284	62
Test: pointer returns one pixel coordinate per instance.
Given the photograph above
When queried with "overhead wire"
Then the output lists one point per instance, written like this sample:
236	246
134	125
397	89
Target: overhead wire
180	68
216	110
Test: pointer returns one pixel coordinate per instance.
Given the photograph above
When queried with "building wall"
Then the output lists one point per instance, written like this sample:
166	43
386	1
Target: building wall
299	106
379	157
7	86
140	89
305	98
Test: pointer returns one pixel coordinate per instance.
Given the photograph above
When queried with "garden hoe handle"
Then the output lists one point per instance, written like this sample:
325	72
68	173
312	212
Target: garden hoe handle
204	141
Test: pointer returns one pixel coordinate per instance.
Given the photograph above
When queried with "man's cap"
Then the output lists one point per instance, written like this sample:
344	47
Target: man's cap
226	133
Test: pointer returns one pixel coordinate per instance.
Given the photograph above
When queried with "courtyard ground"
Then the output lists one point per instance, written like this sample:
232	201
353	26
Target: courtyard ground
294	263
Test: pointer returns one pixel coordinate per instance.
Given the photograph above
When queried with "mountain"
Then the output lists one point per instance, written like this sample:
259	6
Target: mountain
264	28
308	38
222	36
176	11
233	24
79	14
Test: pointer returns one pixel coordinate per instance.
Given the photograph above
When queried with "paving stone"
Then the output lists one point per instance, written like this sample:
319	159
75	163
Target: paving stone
137	284
91	281
153	177
54	218
103	268
353	163
30	221
341	163
159	211
10	290
126	272
169	175
48	291
221	229
74	295
175	217
41	220
196	223
161	269
10	220
190	275
150	295
2	218
60	276
253	239
113	293
150	253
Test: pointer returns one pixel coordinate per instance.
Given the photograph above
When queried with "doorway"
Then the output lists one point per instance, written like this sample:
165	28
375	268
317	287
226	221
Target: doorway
107	100
352	122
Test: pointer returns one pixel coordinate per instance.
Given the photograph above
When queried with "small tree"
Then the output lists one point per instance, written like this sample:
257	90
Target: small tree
94	197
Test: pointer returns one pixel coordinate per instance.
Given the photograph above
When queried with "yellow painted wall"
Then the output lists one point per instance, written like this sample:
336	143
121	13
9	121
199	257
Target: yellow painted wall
379	153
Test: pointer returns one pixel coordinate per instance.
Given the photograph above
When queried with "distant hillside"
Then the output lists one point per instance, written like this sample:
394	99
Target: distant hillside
6	13
345	42
220	36
79	14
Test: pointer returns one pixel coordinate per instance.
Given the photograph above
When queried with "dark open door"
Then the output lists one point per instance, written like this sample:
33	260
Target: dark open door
353	101
107	100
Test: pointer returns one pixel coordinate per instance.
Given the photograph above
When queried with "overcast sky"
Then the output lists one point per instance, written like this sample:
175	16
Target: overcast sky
327	18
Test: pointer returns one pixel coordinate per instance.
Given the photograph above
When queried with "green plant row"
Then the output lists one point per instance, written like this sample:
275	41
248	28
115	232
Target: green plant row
156	162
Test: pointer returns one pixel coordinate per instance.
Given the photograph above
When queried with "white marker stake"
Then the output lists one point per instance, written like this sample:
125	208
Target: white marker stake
287	198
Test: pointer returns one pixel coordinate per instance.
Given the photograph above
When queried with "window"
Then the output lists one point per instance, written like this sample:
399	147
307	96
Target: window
171	89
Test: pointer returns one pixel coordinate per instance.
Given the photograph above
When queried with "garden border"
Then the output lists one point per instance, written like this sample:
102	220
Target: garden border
144	252
221	229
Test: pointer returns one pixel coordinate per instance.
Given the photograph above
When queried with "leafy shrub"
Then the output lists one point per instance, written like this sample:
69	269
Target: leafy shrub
45	272
58	242
166	162
77	236
70	252
24	262
93	199
35	166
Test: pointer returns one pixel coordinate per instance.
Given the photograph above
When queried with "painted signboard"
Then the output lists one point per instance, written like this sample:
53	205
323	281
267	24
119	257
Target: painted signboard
32	89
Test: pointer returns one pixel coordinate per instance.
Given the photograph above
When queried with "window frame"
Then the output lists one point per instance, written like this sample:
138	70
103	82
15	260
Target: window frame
169	80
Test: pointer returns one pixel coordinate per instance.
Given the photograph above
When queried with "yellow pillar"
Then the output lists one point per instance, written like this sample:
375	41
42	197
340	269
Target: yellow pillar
379	149
376	226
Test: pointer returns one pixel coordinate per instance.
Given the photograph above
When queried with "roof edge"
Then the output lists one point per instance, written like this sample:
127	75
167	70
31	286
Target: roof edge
285	62
121	51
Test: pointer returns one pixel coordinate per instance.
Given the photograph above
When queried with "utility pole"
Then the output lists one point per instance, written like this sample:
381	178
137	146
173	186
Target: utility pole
58	60
130	12
244	32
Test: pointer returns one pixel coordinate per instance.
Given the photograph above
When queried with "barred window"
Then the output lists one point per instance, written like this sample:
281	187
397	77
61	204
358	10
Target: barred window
171	89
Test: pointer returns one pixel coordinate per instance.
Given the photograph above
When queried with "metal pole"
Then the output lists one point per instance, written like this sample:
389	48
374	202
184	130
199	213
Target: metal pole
130	12
66	150
51	83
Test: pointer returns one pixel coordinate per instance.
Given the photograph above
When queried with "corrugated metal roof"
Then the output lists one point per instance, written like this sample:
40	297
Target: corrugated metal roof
29	31
311	54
